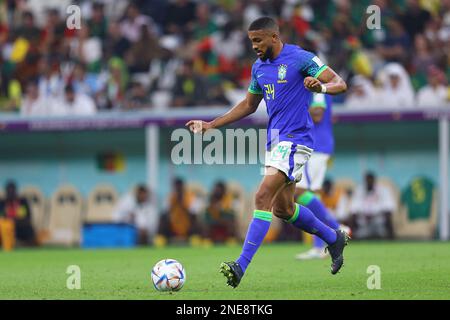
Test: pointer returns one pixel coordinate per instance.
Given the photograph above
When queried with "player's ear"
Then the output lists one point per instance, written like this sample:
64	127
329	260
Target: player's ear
274	37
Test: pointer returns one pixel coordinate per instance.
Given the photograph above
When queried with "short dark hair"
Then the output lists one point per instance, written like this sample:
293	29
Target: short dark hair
141	188
69	88
263	23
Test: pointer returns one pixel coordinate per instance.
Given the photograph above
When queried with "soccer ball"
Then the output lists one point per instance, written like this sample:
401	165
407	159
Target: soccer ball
168	275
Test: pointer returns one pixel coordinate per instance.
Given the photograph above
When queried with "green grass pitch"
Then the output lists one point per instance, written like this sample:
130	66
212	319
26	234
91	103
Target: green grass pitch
408	271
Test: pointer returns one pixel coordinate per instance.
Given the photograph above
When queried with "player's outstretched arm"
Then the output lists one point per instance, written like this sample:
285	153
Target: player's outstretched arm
328	82
239	111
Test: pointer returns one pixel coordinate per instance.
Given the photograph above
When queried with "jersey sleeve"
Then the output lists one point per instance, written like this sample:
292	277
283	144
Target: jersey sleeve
310	65
254	86
318	101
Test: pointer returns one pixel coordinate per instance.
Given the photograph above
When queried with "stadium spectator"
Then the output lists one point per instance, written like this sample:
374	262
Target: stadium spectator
371	209
87	49
423	57
85	82
137	98
435	93
396	44
138	208
180	17
50	82
55	33
17	211
116	83
220	221
29	31
98	23
179	222
397	91
362	94
131	25
33	104
163	72
76	104
414	18
227	45
330	195
141	53
190	87
203	25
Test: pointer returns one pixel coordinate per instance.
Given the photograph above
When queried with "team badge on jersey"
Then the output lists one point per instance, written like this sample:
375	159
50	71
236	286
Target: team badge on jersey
282	70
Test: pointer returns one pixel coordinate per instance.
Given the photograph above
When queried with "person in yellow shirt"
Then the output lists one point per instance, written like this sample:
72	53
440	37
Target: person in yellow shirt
179	223
220	225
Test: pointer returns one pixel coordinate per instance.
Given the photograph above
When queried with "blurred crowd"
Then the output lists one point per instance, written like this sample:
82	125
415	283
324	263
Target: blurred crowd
140	55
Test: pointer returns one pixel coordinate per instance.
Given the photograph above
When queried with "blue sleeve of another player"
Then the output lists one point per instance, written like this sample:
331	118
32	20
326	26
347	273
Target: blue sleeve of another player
310	65
254	86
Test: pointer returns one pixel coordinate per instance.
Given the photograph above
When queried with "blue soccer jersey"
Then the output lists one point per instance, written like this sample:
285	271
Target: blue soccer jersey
323	131
280	81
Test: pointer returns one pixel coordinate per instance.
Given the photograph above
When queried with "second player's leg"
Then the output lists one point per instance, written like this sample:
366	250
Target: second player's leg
301	217
304	219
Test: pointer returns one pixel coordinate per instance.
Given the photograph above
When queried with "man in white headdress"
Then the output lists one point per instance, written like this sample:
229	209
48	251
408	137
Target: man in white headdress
362	94
397	91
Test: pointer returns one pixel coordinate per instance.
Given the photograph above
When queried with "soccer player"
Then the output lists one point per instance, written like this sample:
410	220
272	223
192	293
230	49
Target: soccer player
314	171
284	75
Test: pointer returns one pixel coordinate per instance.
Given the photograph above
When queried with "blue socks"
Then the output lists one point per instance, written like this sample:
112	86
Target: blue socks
257	230
309	200
304	219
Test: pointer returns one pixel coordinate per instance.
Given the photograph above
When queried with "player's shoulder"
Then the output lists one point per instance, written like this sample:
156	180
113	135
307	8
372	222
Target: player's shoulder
296	49
256	64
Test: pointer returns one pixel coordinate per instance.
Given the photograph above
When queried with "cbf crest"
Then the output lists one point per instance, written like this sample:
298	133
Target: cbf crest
282	70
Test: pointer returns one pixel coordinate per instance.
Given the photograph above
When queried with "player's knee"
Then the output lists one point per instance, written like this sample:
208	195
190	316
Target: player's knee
262	199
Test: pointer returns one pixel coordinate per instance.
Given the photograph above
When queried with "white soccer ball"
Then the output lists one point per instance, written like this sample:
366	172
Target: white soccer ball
168	275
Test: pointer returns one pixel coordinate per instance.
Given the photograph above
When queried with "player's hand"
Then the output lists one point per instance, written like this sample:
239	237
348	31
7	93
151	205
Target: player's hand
198	126
312	84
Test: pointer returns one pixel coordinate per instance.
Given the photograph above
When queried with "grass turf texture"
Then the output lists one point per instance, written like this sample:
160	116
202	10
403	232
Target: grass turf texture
408	271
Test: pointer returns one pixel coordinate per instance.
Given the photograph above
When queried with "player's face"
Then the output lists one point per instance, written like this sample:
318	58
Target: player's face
262	43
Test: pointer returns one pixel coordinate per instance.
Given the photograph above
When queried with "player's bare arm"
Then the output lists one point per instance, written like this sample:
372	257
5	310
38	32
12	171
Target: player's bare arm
244	108
332	83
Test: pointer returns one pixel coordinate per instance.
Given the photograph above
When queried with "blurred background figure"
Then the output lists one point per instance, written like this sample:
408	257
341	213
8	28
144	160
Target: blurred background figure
220	220
76	104
138	208
362	95
180	223
15	215
435	93
137	98
33	104
330	195
371	210
396	91
190	87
